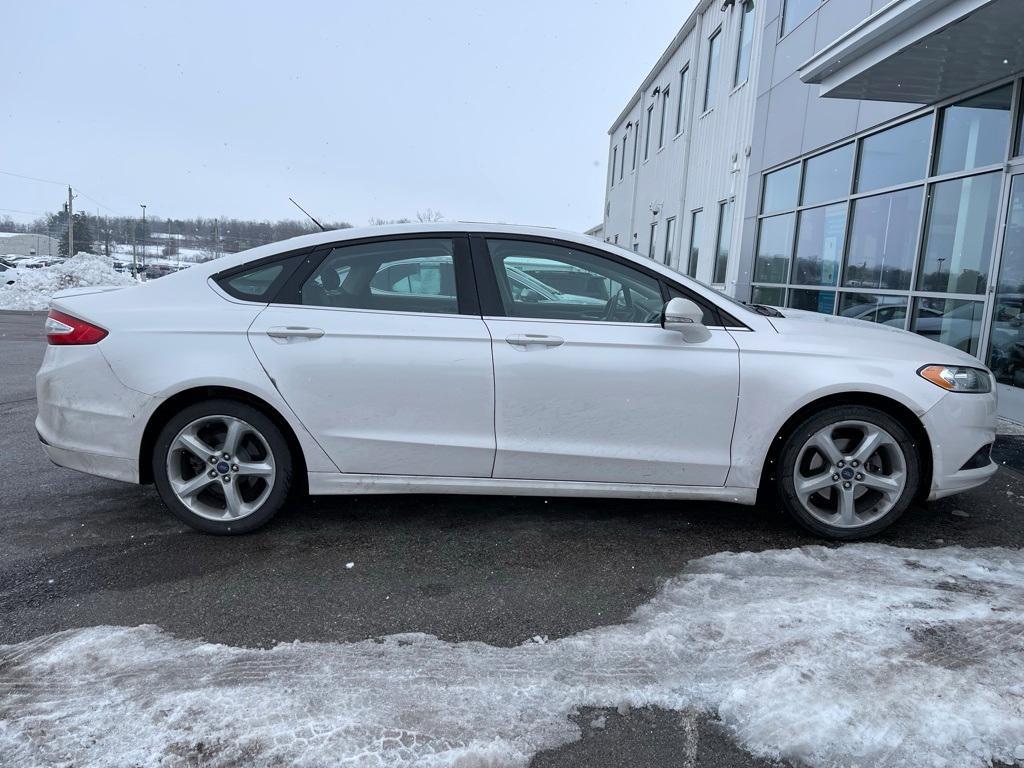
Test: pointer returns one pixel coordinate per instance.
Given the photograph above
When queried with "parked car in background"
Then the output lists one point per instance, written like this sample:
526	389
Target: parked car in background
440	359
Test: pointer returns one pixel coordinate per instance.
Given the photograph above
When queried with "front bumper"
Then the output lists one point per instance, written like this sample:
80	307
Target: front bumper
88	420
958	426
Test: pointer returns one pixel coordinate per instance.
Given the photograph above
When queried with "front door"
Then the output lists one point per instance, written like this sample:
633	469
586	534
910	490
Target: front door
372	354
1006	339
589	386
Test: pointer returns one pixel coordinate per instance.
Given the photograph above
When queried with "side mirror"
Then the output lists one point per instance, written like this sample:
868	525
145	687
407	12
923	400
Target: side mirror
687	318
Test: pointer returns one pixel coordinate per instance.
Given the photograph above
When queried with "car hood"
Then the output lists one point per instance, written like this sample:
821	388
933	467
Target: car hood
848	336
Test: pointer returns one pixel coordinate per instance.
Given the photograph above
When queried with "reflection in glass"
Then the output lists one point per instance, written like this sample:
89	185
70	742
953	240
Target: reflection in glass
694	258
1006	351
814	301
958	239
781	189
954	322
882	240
896	156
819	245
724	241
774	244
874	308
974	132
773	297
827	176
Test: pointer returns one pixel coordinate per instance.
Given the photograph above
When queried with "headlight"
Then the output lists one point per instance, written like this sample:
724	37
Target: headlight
956	378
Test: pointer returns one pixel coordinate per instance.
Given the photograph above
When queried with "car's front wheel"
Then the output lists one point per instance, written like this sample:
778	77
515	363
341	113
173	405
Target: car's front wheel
848	472
222	466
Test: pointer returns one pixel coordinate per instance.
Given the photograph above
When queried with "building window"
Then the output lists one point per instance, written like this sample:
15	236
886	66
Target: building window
616	240
773	297
670	230
636	142
647	132
883	240
714	43
960	233
975	132
949	321
1020	126
694	257
664	112
896	156
781	189
724	242
813	301
819	245
615	159
746	39
795	11
681	101
622	163
654	239
774	246
827	176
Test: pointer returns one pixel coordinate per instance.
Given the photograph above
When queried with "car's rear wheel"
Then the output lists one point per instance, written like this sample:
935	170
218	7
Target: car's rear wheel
848	472
222	466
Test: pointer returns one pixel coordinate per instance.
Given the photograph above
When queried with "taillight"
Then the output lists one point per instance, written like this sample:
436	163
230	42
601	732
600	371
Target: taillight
65	329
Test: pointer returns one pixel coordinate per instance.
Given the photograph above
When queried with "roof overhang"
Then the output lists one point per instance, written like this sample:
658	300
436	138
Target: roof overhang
922	51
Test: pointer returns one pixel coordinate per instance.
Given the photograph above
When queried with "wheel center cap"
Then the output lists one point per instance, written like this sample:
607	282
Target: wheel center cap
223	467
847	473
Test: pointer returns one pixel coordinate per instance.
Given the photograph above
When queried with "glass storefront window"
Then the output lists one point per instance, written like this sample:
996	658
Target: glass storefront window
774	245
827	176
875	308
819	245
773	297
959	235
781	189
883	239
974	133
815	301
896	156
1006	349
950	321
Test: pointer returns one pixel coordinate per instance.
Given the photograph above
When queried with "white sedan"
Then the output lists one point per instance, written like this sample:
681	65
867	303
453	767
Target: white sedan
408	359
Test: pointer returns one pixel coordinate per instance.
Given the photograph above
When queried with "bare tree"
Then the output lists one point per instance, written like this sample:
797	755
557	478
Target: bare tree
429	216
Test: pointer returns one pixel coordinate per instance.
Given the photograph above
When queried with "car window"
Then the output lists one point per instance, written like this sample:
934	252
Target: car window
416	275
552	282
252	284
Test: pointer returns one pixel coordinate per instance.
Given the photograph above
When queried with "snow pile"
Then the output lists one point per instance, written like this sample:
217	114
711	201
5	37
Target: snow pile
861	656
33	288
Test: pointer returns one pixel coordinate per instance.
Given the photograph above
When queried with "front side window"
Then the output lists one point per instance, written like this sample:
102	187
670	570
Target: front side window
578	285
746	39
681	101
401	275
714	43
724	242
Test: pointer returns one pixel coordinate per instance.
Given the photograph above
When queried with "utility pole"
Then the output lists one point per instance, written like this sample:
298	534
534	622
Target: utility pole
143	207
71	224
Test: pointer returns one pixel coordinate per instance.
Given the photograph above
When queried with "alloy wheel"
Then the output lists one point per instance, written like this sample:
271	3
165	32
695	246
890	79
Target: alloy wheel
221	468
850	474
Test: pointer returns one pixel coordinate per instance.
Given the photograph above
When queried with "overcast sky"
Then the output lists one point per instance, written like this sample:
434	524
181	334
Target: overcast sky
484	111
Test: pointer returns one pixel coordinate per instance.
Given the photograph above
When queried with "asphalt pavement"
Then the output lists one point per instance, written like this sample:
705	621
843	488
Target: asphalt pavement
79	551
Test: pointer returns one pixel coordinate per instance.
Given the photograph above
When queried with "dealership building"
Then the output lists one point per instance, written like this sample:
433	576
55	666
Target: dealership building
855	157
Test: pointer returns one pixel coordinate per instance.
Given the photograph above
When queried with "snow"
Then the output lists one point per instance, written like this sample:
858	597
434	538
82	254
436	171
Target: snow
865	655
33	288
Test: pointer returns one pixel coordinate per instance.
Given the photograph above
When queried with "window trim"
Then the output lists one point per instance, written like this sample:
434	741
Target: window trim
290	293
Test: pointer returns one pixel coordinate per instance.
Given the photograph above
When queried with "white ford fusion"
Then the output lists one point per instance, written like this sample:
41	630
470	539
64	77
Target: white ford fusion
493	359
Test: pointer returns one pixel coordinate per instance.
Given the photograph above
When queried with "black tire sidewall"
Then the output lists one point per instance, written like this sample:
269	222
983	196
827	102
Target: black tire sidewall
796	439
271	433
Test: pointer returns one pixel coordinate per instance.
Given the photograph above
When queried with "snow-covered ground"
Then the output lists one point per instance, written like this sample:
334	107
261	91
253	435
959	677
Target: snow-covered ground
864	655
33	288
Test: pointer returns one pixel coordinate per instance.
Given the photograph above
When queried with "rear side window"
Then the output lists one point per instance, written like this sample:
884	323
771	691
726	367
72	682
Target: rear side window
253	285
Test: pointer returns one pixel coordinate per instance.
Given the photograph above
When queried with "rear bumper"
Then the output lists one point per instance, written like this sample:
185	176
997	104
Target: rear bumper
958	426
88	420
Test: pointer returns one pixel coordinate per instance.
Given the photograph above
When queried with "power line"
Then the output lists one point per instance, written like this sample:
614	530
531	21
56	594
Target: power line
32	178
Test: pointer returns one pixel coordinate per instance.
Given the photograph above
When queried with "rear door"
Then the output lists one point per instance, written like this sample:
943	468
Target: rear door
588	385
379	348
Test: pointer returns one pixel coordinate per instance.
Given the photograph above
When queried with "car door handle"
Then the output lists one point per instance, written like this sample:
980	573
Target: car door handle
294	332
535	339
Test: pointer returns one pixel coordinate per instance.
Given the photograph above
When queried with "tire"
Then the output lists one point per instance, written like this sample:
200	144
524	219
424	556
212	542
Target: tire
259	469
848	492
